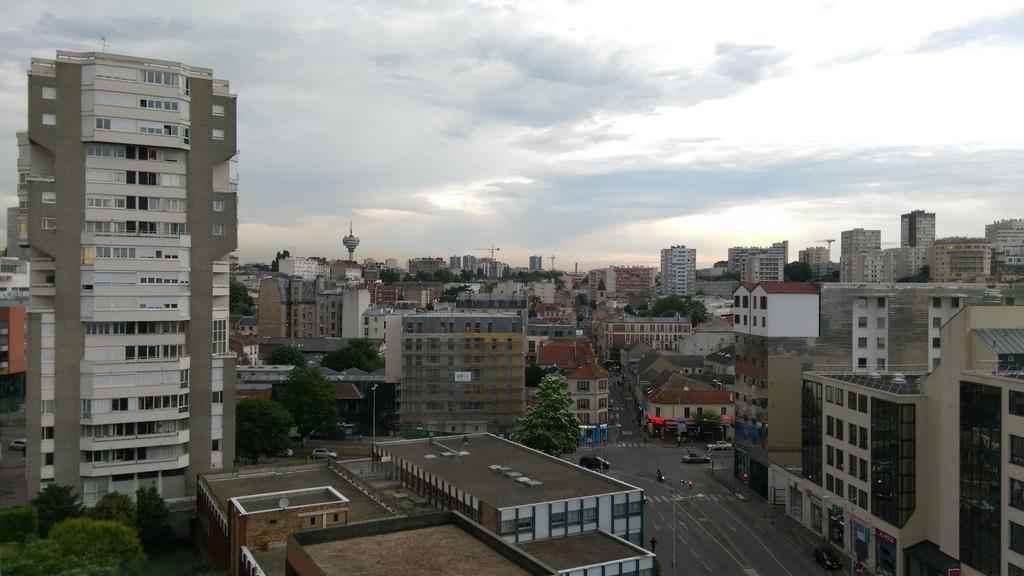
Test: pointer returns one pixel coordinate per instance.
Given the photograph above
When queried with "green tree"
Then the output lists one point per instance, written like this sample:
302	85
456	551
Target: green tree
730	276
54	504
114	506
709	424
279	256
261	427
550	426
41	557
615	354
466	275
239	300
100	542
358	353
581	299
797	272
18	523
152	519
389	276
286	356
423	276
534	374
444	275
672	305
310	399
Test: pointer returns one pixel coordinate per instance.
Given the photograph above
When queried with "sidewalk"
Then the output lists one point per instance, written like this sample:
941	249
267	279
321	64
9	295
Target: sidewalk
802	537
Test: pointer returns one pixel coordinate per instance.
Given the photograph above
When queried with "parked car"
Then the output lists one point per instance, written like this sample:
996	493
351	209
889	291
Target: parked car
720	445
18	444
827	558
324	453
594	463
286	453
693	458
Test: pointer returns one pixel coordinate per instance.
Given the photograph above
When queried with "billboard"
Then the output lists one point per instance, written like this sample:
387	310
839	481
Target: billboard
463	376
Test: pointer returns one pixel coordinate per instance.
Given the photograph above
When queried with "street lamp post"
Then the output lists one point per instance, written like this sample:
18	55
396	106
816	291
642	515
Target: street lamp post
373	417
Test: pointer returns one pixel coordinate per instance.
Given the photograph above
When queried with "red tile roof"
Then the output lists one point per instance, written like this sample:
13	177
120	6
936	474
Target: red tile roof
749	286
589	371
680	396
346	391
791	287
263	394
565	353
716	322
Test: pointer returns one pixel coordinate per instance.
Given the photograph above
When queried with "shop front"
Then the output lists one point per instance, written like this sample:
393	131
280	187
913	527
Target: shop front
885	554
836	526
861	542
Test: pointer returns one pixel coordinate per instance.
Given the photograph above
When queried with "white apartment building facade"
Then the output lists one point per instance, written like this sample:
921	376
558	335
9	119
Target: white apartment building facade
852	266
1007	240
130	195
678	271
306	268
760	264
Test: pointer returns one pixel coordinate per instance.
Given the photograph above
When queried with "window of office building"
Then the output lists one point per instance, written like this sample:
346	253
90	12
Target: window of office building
980	458
893	455
810	411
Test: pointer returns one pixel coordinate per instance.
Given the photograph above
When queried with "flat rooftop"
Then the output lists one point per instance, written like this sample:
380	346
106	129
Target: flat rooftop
581	550
894	383
473	472
257	481
445	549
301	497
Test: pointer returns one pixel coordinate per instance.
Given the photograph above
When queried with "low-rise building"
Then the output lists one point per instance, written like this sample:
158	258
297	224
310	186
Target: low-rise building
712	335
588	387
14	278
675	403
13	362
425	264
565	354
515	492
660	333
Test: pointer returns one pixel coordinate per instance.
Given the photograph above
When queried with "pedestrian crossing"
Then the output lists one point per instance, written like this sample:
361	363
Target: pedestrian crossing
661	499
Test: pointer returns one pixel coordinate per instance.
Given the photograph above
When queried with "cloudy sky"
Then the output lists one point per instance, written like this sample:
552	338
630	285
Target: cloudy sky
599	132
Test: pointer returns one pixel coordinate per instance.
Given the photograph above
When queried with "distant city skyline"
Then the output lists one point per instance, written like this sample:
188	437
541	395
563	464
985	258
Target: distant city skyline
551	128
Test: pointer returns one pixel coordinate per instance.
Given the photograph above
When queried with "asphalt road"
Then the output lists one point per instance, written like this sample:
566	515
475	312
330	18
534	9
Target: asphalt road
718	529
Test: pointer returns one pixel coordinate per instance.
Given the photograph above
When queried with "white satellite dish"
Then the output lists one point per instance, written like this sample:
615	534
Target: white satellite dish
282	503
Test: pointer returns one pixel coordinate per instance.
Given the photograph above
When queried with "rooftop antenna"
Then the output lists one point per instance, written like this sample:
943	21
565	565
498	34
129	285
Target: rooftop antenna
103	42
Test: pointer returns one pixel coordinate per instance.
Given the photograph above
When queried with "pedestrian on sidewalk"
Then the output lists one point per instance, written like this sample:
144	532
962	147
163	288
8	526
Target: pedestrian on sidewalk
654	544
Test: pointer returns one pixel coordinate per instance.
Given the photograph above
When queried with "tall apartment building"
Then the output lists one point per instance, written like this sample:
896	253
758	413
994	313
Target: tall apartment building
470	262
536	263
128	354
678	271
961	260
454	262
760	264
14	250
624	281
292	307
917	229
459	371
1007	240
860	256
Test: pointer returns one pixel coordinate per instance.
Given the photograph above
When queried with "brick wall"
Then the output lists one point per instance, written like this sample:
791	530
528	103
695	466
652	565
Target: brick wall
275	525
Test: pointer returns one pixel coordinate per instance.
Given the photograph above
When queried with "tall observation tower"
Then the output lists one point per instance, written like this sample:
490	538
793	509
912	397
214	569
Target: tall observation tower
350	242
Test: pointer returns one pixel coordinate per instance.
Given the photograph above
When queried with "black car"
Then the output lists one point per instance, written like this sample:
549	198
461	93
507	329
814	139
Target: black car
594	463
694	458
827	558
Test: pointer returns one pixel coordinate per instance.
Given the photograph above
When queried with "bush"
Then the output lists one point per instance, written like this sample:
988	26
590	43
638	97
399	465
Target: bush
114	506
18	524
54	504
100	542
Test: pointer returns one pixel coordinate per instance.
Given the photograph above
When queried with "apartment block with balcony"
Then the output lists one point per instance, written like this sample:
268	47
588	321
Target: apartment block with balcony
678	271
1007	240
130	203
759	264
959	259
660	333
458	371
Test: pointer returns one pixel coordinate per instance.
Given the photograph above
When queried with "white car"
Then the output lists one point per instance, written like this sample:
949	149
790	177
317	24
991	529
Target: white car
18	444
720	445
324	453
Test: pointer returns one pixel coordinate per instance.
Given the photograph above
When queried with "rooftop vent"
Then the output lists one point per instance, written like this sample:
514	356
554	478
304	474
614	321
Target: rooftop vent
462	453
430	456
523	480
494	466
511	473
534	483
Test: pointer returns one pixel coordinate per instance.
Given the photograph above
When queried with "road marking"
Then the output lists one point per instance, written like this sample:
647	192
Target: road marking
731	527
656	527
761	542
706	567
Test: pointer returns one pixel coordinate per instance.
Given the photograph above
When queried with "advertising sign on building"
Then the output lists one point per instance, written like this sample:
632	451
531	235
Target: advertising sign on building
885	554
463	376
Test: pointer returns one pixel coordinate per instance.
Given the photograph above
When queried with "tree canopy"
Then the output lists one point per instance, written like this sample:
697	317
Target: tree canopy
444	275
357	353
239	300
709	424
101	542
56	503
534	374
286	356
152	519
672	305
310	399
797	272
261	428
389	276
18	523
114	506
550	426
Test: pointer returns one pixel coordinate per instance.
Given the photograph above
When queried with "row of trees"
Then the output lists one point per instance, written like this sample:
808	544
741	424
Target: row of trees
55	534
305	402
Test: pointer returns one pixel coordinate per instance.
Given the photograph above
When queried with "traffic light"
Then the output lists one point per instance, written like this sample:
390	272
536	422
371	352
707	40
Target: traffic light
690	484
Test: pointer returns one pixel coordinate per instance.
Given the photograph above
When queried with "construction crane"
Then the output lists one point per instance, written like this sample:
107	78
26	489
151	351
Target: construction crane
552	258
492	250
829	241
